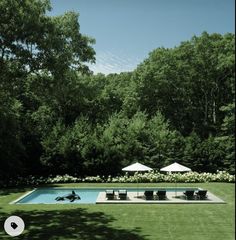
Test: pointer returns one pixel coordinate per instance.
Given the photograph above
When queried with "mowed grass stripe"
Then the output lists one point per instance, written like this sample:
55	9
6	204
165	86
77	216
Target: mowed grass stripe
134	222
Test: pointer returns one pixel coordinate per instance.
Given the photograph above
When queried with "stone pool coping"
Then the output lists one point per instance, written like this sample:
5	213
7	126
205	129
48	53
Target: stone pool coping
23	196
172	198
132	197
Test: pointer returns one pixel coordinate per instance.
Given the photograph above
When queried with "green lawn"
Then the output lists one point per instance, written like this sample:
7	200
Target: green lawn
125	222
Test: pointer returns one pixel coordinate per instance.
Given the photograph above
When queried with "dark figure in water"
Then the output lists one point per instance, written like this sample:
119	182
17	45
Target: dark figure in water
71	196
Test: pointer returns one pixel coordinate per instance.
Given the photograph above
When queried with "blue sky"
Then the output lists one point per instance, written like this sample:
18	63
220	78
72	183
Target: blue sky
127	30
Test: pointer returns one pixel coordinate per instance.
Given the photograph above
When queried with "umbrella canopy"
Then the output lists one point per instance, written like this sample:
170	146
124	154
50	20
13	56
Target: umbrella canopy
136	167
175	167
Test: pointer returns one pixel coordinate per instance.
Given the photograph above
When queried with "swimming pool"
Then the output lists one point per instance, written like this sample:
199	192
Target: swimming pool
48	196
87	195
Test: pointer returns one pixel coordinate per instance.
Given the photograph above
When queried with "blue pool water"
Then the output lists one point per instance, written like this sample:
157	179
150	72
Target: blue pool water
88	196
48	196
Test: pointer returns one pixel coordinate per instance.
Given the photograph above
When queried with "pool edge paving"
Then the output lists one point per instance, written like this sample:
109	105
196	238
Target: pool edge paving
171	199
131	196
23	196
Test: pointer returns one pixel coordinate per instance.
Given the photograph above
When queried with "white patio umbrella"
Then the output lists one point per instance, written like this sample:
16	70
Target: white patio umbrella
175	167
137	167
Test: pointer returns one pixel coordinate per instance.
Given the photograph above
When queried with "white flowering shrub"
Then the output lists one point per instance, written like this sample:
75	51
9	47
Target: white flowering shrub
96	179
63	179
189	177
149	177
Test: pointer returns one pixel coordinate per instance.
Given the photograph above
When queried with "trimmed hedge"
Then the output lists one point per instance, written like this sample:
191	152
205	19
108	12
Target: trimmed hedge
190	177
150	177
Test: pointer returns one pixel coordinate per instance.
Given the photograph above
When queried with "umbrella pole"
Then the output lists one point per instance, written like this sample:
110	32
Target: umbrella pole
175	188
137	187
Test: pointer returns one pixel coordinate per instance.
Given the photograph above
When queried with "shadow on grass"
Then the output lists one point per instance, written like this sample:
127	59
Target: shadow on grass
71	224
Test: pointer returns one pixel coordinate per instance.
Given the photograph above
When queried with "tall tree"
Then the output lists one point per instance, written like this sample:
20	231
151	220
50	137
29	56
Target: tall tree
36	51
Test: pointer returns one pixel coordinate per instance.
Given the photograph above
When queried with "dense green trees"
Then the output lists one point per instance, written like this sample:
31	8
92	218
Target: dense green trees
190	83
57	117
37	53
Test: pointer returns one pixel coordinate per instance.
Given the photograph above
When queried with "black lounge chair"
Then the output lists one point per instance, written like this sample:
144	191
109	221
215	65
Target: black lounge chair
122	194
148	195
161	194
201	194
110	194
189	194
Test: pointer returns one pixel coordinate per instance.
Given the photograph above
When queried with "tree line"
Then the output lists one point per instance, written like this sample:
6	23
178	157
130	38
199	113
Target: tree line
56	116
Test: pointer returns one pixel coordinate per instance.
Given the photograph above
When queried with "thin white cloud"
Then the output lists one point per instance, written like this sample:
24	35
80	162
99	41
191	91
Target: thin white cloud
107	62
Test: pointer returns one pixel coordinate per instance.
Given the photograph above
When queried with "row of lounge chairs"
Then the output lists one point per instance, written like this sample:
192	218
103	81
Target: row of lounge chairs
191	194
160	194
148	195
122	194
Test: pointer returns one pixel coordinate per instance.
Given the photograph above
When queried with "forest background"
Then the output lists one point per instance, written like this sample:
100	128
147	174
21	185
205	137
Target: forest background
57	117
